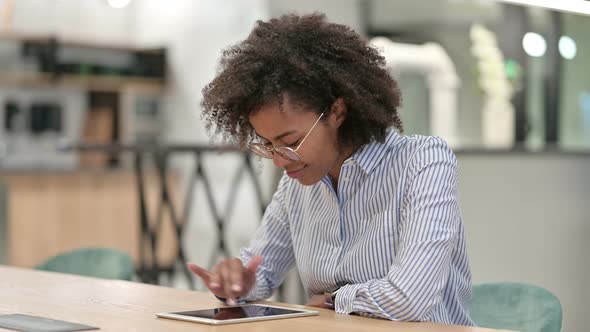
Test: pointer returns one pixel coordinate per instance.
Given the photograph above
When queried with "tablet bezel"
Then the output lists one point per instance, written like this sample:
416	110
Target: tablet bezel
211	321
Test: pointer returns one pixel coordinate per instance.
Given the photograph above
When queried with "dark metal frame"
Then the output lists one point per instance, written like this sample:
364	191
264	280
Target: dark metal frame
149	269
512	27
552	79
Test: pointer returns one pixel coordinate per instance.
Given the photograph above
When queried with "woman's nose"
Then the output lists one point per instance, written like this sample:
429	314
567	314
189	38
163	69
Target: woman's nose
279	161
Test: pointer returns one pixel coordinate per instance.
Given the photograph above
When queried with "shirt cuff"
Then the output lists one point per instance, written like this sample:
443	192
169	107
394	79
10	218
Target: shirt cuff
252	294
345	298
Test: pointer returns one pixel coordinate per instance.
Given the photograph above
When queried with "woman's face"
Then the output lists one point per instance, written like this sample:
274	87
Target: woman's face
287	127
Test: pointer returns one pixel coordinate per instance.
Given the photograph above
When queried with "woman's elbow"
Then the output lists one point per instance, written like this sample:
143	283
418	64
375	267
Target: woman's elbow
414	311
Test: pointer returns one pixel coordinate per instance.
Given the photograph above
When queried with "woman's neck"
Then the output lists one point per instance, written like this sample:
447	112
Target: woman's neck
334	173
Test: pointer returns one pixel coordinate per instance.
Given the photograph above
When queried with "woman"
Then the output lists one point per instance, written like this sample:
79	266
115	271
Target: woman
369	217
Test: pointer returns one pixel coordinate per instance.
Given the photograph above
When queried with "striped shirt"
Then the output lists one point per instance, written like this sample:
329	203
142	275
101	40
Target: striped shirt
390	237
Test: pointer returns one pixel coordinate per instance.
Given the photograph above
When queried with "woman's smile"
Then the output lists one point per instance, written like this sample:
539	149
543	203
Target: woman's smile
297	173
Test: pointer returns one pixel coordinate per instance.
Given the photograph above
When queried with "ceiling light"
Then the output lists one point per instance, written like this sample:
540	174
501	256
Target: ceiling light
567	47
534	44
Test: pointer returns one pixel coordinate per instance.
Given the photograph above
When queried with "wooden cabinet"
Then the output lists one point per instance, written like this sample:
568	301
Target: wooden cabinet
51	212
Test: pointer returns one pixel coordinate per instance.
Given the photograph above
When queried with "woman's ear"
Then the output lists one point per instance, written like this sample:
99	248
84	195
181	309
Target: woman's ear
338	112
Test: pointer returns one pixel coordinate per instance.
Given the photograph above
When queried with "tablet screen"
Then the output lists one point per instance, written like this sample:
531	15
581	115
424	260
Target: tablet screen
244	311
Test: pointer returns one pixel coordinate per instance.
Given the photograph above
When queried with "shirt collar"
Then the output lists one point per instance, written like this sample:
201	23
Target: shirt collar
369	155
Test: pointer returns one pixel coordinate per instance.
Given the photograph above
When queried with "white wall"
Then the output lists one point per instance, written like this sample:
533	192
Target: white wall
195	33
527	219
339	11
74	19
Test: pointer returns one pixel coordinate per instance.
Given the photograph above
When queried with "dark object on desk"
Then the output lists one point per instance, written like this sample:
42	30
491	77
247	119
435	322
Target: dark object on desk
29	323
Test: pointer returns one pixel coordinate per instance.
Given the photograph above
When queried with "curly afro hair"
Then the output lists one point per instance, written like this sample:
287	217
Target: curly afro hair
314	62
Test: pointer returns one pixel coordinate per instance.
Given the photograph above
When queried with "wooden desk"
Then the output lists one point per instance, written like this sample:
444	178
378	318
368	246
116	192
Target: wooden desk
125	306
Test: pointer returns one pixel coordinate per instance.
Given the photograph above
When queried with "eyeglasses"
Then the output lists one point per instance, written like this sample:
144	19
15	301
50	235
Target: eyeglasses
266	151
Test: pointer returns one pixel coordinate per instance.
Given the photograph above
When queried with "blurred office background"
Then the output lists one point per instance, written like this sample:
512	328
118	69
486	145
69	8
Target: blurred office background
95	93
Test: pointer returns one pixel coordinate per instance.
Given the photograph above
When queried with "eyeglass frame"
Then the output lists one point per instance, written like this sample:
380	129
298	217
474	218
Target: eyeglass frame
274	147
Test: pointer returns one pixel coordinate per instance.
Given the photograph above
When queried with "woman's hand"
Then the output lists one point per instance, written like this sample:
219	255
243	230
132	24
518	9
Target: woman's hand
229	278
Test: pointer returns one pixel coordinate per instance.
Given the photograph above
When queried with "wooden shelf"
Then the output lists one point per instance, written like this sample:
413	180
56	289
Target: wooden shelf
88	82
93	82
22	37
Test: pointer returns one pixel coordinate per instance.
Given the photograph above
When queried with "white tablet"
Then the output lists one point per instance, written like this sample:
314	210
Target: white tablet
237	314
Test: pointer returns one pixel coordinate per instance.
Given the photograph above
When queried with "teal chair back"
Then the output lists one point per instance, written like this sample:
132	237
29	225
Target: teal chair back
103	263
515	306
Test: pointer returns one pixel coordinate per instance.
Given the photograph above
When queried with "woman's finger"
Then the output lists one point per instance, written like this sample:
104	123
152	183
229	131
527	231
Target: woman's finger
236	271
215	277
201	272
225	272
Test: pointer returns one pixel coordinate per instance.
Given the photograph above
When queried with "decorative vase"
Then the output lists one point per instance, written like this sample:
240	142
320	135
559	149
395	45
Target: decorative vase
498	124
